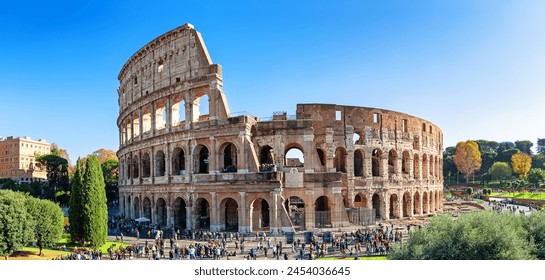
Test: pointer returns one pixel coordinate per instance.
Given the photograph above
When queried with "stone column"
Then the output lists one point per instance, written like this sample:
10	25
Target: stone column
213	165
243	211
153	117
168	124
273	213
215	221
140	123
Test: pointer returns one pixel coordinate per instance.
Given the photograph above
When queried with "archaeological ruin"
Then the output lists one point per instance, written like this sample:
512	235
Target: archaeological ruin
187	162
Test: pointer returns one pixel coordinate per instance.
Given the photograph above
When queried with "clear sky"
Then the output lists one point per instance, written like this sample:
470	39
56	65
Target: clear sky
474	68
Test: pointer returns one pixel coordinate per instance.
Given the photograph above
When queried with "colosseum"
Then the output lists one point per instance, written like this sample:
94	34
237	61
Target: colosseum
187	162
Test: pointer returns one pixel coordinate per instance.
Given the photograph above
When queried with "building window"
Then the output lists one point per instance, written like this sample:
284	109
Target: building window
376	117
160	67
338	115
404	125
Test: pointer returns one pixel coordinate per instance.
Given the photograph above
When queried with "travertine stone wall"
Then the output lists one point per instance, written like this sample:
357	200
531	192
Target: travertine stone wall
186	161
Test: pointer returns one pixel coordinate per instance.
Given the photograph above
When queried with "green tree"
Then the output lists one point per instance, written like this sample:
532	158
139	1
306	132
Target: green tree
110	171
505	155
75	210
48	221
538	161
540	147
524	146
500	171
15	222
473	236
467	158
536	176
521	164
57	174
94	207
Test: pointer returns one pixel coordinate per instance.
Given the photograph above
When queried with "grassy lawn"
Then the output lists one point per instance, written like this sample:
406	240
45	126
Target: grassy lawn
521	195
31	253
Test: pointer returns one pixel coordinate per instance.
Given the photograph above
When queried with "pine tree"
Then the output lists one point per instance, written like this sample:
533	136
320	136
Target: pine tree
75	212
95	211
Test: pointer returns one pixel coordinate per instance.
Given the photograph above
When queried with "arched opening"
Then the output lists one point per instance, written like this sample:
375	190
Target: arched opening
294	157
201	108
425	166
322	214
425	204
358	163
356	139
360	201
260	214
136	208
394	206
178	161
230	158
202	159
160	115
376	163
376	205
147	208
202	214
432	201
180	213
406	204
295	206
416	204
416	167
392	163
266	159
161	210
405	163
340	160
135	167
431	168
146	120
160	164
129	167
129	130
136	125
178	111
146	166
321	156
230	214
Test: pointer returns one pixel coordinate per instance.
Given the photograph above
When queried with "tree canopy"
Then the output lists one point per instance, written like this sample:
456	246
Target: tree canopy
467	157
93	204
15	223
521	164
500	171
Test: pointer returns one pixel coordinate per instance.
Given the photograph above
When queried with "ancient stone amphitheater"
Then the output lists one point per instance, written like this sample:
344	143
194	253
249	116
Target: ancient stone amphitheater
187	161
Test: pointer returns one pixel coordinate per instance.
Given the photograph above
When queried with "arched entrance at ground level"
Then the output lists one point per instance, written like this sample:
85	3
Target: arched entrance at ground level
161	210
394	207
425	203
202	214
180	213
376	205
360	201
406	204
229	209
136	208
322	213
295	206
147	209
260	215
417	210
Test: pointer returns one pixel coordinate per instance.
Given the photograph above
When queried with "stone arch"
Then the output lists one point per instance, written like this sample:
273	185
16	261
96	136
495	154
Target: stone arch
146	209
201	107
417	209
340	159
180	213
416	167
146	119
160	114
359	156
202	213
425	166
135	167
321	157
407	204
260	214
377	203
432	201
360	201
129	167
376	163
136	125
160	165
295	206
146	166
356	138
202	159
178	161
161	212
266	155
177	110
229	159
322	212
425	203
394	206
431	167
136	208
405	163
392	162
294	156
229	214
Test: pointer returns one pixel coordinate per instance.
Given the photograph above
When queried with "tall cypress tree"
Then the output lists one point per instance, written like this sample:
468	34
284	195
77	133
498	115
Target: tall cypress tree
95	210
75	212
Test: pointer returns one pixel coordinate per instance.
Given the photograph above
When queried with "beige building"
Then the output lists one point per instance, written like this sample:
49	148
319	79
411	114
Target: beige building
17	158
187	161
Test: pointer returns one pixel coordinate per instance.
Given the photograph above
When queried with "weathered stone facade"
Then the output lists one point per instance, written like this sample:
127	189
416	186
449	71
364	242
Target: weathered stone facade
186	161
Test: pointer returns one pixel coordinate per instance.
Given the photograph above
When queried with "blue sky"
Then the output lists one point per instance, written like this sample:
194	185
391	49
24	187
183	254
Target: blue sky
474	68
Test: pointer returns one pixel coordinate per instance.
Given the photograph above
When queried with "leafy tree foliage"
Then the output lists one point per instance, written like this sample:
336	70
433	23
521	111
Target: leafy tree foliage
467	157
540	147
474	236
104	154
57	174
500	171
94	208
15	222
524	146
536	175
538	161
505	155
110	171
75	212
521	164
48	221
